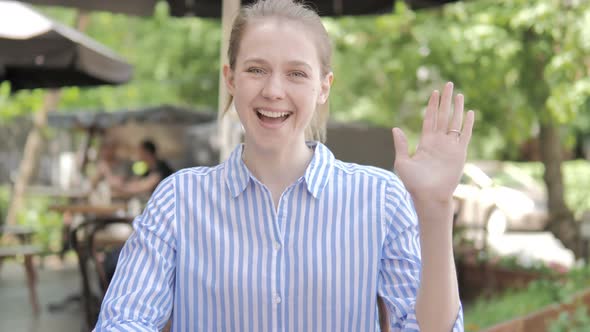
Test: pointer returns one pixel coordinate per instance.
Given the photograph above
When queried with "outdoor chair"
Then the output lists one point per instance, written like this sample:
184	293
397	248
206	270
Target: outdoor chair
15	242
89	239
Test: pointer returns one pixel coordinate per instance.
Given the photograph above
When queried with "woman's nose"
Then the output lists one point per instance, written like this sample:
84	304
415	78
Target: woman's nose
273	87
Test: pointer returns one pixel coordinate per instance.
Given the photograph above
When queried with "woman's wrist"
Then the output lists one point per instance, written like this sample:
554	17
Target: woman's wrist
428	209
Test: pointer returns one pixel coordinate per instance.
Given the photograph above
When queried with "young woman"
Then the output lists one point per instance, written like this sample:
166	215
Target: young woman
284	237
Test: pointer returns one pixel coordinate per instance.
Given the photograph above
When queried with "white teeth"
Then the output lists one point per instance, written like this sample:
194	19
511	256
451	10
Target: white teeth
272	114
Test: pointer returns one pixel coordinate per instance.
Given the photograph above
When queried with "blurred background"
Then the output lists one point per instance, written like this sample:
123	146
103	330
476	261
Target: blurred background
521	210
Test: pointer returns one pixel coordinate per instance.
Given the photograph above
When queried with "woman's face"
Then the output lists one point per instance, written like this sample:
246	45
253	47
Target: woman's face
276	82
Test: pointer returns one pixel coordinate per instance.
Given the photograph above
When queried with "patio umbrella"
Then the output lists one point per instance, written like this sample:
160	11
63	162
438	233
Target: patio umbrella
130	7
38	52
101	120
212	8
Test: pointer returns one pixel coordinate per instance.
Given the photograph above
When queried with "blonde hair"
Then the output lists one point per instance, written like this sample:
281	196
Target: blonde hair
296	11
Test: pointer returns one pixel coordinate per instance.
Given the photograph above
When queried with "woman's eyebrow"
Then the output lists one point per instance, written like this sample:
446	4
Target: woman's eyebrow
255	60
300	64
297	63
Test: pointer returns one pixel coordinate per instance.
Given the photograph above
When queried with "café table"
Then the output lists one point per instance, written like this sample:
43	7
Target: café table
92	230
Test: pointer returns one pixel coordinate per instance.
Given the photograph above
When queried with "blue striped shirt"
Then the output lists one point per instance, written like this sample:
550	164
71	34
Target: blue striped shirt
212	252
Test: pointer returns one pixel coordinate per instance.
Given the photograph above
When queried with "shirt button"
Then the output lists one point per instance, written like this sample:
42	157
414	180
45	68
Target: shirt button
277	246
277	299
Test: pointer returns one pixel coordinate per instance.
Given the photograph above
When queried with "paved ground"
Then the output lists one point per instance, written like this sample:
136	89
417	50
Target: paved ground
56	281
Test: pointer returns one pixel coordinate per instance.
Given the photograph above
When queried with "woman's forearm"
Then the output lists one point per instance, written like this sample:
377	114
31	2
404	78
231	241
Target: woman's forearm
438	302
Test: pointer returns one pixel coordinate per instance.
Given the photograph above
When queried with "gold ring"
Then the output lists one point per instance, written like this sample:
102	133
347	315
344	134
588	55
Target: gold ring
458	132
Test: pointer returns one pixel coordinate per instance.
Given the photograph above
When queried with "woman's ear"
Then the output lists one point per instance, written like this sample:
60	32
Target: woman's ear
228	75
325	86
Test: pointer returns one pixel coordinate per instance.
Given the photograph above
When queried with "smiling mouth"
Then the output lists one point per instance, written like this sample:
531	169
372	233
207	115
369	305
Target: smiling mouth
272	117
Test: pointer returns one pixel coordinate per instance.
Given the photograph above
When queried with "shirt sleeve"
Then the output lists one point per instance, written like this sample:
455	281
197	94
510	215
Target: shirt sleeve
140	296
400	267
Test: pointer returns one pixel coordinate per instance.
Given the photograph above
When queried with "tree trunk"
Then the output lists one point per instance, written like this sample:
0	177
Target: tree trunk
30	156
561	219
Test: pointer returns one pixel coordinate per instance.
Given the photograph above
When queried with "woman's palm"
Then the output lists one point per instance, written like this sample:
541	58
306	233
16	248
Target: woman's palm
434	170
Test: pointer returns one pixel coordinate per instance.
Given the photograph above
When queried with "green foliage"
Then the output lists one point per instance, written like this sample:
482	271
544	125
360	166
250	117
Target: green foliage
515	303
4	198
47	226
487	312
22	103
517	62
35	214
175	61
579	321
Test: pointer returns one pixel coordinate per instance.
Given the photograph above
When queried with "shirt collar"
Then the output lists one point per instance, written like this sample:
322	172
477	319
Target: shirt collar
237	175
320	168
316	175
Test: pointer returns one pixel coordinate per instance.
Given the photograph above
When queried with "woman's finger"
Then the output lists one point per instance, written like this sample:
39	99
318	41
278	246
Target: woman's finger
457	118
467	127
400	145
429	123
442	117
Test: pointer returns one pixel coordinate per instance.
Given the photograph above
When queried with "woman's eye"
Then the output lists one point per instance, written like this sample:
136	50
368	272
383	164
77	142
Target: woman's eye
255	70
297	74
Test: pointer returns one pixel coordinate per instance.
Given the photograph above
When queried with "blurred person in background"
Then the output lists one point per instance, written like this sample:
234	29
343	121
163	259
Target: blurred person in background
144	185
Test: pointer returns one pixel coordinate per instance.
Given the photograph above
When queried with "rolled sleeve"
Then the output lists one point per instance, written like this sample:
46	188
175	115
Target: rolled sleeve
400	268
140	296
